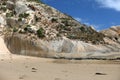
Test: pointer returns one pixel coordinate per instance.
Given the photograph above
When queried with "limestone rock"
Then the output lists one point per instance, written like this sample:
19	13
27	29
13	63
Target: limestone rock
20	7
113	33
2	20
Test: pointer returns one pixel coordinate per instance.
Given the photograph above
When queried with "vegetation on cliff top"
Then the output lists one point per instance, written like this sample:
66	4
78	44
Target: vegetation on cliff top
52	22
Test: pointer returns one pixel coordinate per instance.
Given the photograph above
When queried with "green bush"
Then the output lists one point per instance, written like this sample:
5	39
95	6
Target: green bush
40	33
3	8
9	14
15	30
4	3
65	21
24	15
19	19
83	29
53	20
26	28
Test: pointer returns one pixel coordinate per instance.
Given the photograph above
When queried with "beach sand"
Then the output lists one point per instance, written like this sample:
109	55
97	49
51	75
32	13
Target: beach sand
17	67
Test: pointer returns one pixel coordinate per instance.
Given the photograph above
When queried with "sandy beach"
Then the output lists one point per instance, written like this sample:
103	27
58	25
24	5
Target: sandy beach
17	67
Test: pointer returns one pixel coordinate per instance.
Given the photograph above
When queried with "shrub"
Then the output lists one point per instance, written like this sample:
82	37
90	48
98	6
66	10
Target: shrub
26	28
20	19
15	30
83	29
40	33
3	8
9	14
65	21
3	3
53	20
24	15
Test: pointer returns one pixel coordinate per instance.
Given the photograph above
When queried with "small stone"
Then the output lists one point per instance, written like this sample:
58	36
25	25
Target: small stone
22	76
100	74
34	69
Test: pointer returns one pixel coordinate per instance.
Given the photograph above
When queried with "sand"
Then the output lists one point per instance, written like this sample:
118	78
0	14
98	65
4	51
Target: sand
17	67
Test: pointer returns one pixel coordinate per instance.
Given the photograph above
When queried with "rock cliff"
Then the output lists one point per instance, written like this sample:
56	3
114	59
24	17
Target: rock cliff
33	28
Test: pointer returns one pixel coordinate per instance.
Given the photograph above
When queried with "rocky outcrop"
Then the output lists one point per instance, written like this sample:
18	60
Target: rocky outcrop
35	29
23	45
113	33
20	45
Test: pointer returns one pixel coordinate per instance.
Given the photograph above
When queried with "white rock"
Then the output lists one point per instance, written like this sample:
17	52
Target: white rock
20	7
31	17
2	21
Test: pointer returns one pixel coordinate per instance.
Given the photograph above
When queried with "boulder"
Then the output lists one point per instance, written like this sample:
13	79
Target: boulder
2	20
12	22
32	29
10	5
20	7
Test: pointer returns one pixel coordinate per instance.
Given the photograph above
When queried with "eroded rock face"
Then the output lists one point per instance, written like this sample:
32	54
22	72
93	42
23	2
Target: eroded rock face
113	33
23	45
18	45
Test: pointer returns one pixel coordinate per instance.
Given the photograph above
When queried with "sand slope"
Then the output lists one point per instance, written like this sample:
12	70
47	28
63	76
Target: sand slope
3	48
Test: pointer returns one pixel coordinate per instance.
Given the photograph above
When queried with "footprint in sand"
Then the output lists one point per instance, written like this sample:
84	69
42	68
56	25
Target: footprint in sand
57	79
22	76
26	66
34	69
2	59
65	71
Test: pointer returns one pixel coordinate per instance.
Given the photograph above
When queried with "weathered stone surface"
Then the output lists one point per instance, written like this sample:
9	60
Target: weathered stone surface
2	20
18	45
20	7
12	22
63	36
10	5
113	33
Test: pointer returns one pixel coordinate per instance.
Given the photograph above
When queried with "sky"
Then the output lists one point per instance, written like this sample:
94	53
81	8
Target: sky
101	14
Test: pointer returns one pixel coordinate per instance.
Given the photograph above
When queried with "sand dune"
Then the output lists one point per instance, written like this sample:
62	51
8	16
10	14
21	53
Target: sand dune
16	67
